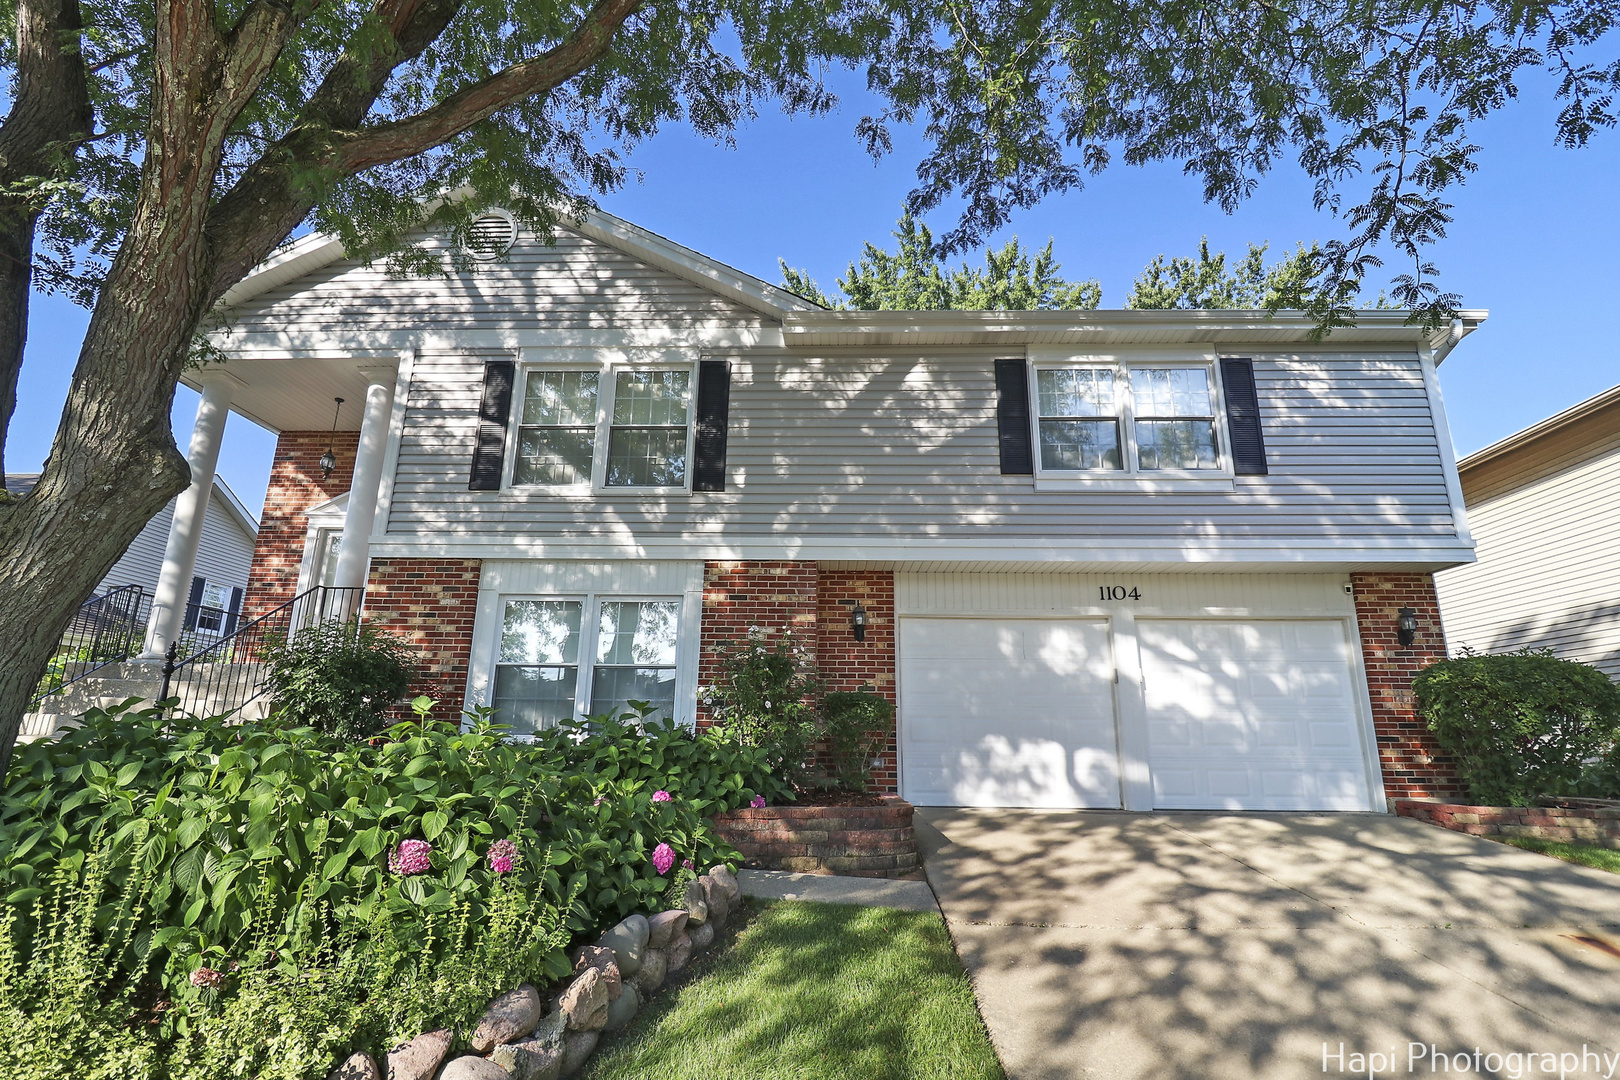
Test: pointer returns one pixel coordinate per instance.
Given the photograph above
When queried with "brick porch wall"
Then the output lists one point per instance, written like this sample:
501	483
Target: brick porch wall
1414	765
295	486
431	604
847	664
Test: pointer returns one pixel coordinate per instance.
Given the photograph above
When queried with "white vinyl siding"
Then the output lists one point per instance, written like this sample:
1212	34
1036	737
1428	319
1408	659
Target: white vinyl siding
223	555
1548	574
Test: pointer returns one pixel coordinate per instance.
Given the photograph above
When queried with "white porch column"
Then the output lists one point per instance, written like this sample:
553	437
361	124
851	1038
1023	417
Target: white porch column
355	553
185	533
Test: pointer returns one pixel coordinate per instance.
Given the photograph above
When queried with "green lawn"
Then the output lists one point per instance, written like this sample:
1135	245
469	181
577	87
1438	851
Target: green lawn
814	992
1597	857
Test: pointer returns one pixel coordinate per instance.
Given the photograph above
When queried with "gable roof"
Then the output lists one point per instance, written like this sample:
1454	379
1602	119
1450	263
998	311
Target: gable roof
20	484
317	250
1581	432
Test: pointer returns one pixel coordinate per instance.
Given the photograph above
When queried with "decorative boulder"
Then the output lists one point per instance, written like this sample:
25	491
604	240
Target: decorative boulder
577	1049
473	1068
530	1059
359	1066
419	1058
719	903
624	1010
508	1018
697	906
549	1031
702	937
585	1002
666	926
721	874
627	940
654	966
602	960
680	951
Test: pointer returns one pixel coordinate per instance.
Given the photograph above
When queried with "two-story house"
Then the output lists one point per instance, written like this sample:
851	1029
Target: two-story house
1139	559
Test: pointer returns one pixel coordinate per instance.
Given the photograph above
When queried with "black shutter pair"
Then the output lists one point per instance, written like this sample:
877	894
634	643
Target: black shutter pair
709	445
1017	431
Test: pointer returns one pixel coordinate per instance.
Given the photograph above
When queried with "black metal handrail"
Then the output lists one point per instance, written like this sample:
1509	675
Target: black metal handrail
107	629
228	672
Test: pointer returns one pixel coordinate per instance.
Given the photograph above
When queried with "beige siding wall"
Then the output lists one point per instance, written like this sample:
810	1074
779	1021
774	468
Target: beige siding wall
1548	573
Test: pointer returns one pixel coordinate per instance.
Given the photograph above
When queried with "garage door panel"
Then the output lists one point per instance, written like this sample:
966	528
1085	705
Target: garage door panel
1256	715
999	712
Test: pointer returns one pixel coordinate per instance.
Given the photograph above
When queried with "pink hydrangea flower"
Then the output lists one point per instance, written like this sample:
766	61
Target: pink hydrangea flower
663	858
757	802
689	864
411	857
662	796
502	856
207	978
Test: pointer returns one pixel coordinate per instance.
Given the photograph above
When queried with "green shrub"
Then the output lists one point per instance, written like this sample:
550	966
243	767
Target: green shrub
856	725
1519	724
764	698
341	678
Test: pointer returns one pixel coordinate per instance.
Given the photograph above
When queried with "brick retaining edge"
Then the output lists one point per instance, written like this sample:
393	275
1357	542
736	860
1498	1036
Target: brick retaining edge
859	841
1600	828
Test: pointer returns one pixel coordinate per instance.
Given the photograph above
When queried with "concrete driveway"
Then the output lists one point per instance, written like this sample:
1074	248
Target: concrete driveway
1208	946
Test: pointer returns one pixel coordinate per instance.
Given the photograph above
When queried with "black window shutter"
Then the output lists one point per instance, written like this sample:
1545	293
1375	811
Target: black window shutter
194	601
713	414
1243	418
494	413
235	612
1012	418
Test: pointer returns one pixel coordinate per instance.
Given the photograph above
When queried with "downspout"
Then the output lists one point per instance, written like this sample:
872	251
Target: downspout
1453	336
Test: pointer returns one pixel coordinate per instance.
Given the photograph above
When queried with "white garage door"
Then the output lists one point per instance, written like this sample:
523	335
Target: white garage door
1252	716
1007	712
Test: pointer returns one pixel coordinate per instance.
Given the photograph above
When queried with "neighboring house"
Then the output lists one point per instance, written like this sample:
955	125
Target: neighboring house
1544	507
1102	558
219	581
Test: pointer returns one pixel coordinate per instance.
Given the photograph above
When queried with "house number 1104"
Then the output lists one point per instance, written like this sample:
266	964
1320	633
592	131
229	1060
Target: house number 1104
1118	592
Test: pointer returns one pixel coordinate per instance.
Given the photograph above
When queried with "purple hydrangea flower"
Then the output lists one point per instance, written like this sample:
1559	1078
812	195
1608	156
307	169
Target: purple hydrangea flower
502	856
757	802
663	858
662	796
411	857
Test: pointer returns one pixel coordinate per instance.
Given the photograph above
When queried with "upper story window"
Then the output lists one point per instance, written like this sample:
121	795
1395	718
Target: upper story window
1126	419
583	428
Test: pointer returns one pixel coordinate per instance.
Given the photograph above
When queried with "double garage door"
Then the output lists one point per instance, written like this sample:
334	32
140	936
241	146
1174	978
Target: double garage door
1234	714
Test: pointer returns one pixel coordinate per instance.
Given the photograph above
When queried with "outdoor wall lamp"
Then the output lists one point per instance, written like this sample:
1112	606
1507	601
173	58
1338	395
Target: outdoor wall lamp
1406	626
857	622
329	460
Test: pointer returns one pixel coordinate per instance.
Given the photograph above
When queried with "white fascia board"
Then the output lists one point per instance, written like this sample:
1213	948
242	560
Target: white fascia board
303	256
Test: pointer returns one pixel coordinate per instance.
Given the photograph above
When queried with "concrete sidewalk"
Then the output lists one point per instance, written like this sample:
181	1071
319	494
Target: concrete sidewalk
1204	946
835	889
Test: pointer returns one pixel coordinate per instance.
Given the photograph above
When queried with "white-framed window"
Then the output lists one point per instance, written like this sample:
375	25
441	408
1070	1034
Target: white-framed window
588	426
1142	420
575	656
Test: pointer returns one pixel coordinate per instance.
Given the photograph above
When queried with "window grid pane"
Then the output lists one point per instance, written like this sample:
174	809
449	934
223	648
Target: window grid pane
540	632
613	688
530	699
646	457
1080	444
561	398
641	633
1171	392
554	455
651	398
1075	392
1175	444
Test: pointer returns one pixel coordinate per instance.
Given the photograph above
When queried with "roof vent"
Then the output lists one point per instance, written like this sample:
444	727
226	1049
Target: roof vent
491	234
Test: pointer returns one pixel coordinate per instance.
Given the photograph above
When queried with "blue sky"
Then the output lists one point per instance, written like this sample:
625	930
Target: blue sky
1535	234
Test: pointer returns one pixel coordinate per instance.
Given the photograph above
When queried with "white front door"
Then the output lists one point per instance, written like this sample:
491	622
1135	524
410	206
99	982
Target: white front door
1008	712
1252	715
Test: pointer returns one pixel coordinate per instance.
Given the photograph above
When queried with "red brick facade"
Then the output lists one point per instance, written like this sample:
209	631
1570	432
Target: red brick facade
859	841
1414	765
1598	827
773	596
431	604
847	664
295	486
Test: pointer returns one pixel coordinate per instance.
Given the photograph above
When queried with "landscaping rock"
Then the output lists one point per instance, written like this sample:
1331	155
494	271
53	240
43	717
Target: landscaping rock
702	937
419	1059
719	902
549	1031
360	1066
680	951
585	1002
508	1018
628	940
473	1068
602	960
530	1059
654	966
666	926
577	1049
624	1010
721	873
697	904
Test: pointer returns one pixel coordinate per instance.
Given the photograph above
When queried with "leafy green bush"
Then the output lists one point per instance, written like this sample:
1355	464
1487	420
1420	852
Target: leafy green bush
764	699
339	677
1520	724
856	725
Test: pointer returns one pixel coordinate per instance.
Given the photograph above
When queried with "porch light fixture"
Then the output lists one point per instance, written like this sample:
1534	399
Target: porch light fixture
857	622
329	459
1406	626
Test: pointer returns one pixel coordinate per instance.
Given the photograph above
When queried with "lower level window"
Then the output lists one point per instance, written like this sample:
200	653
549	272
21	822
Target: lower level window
567	658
